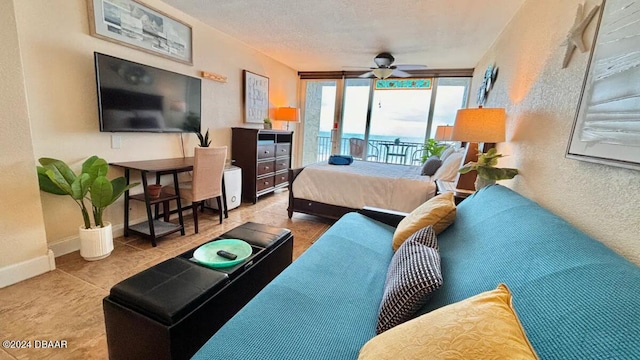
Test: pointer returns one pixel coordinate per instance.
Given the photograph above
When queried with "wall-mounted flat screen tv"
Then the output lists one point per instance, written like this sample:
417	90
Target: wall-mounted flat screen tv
138	98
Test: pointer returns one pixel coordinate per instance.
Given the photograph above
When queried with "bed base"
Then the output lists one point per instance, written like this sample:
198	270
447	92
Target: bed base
311	207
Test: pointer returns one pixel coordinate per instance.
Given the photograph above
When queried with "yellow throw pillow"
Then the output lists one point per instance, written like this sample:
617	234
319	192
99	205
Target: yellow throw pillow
484	326
439	211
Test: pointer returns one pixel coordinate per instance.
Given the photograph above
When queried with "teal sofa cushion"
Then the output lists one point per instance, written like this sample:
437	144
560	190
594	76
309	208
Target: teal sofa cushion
576	298
323	306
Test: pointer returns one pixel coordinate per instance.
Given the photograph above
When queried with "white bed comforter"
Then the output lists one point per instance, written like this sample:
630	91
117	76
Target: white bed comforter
365	183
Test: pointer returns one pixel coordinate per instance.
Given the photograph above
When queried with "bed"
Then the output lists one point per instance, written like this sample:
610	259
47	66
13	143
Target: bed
331	191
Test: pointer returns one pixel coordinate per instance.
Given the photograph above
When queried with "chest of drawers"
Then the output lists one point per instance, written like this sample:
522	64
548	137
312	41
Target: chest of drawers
264	156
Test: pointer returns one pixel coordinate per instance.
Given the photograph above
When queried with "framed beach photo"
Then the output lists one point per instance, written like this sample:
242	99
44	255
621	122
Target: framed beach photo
256	97
607	124
133	24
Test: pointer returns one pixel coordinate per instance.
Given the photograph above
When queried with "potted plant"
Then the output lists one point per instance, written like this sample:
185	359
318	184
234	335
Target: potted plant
267	123
204	140
56	177
488	174
431	148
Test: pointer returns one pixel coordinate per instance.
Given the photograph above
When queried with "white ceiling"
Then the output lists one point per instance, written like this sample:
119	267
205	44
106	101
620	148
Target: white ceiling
340	34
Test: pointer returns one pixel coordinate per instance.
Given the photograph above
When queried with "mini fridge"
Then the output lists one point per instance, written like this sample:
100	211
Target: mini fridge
233	186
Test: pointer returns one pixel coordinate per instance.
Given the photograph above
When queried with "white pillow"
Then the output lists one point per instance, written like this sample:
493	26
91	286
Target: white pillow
447	152
449	168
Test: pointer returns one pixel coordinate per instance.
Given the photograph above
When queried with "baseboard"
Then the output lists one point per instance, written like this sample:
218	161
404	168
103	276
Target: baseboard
72	243
15	273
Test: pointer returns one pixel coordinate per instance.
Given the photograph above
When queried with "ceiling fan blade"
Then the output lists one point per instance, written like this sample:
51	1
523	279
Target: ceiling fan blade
368	74
400	73
411	67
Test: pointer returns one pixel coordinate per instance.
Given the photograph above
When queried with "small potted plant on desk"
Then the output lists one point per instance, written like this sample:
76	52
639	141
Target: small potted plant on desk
204	140
488	174
56	177
267	124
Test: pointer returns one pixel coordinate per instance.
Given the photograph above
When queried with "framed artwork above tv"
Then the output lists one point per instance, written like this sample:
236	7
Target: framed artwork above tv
133	24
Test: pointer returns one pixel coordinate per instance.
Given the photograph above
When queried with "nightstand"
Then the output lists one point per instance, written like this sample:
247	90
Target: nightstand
448	186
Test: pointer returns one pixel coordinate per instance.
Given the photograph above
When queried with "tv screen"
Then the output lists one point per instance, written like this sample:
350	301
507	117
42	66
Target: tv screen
138	98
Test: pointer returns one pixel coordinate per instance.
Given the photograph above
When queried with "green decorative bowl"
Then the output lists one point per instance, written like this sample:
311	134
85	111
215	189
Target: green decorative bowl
207	253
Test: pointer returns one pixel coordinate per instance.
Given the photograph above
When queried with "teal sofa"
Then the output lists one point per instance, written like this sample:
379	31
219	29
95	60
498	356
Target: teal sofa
576	298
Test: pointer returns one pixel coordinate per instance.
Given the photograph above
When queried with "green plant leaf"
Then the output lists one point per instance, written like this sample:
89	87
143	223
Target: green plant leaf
80	186
492	173
46	184
119	186
62	173
465	169
95	167
101	193
56	177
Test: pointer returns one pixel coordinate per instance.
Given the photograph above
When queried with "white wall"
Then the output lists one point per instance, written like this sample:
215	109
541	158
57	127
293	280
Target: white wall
22	235
541	100
49	109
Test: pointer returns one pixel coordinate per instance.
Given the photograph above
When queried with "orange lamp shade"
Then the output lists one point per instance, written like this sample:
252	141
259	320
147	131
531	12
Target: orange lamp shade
289	114
443	133
481	125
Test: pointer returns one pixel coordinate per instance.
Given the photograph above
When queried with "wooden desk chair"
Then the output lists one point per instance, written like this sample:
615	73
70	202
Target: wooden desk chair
206	183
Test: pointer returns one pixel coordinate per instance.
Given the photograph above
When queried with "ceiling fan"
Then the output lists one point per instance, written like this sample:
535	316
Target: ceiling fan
385	69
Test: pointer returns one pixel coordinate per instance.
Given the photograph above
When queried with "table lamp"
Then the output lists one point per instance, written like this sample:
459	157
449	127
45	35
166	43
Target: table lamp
473	126
443	133
288	114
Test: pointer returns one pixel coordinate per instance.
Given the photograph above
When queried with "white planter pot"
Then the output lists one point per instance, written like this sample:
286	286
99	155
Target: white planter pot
96	243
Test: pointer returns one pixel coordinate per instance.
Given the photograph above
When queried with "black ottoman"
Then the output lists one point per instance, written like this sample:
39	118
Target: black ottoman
171	309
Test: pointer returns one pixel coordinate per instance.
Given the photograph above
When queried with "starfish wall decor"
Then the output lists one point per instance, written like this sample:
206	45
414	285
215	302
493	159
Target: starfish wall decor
574	37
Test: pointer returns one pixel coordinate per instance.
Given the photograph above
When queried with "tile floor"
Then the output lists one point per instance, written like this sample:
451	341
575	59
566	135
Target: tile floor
66	304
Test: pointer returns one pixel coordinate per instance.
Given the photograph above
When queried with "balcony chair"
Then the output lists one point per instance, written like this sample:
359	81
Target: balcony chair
356	149
206	183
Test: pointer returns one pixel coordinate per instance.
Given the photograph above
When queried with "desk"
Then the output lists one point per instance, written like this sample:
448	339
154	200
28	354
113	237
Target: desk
156	228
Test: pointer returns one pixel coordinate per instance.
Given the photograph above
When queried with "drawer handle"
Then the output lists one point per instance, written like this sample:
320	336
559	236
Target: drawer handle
283	164
266	151
283	150
281	177
266	168
266	183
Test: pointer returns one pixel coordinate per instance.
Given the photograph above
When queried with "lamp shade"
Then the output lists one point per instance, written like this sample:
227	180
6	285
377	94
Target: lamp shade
289	114
443	133
486	125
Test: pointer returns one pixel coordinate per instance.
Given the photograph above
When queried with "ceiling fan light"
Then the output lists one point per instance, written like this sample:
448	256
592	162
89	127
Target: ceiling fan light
382	73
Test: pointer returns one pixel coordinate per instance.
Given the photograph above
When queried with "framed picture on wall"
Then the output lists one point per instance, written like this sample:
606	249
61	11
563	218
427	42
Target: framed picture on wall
607	124
133	24
256	97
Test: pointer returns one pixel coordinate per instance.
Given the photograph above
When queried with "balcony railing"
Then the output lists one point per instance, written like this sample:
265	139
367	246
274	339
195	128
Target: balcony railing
407	153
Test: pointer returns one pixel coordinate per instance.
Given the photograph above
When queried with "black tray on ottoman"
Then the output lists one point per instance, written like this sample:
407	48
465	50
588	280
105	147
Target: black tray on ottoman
171	309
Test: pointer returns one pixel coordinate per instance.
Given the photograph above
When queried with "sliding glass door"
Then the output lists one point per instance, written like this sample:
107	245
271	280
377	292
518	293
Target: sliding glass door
377	120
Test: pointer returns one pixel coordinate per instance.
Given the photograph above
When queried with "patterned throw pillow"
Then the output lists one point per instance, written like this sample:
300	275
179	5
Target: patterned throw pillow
413	274
431	166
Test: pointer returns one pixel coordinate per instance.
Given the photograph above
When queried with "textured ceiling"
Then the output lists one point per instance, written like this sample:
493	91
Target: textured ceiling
341	34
